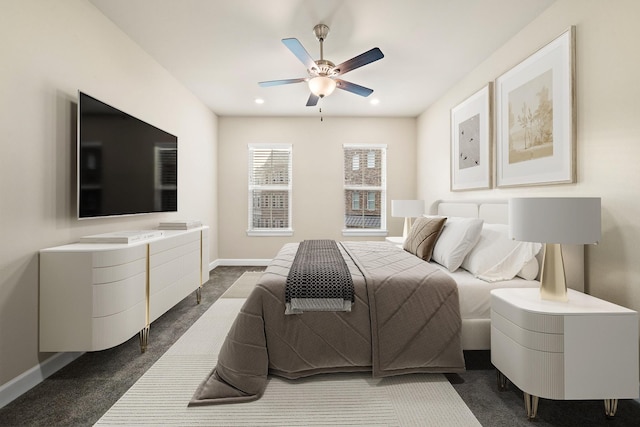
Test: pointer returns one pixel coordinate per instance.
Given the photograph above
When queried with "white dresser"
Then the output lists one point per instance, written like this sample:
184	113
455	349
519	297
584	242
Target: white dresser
582	349
94	296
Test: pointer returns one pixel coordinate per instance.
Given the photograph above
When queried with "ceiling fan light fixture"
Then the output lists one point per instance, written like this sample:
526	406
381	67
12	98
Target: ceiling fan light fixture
322	74
322	86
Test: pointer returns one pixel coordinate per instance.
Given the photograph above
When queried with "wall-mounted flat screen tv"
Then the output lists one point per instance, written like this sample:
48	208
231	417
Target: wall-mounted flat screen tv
125	166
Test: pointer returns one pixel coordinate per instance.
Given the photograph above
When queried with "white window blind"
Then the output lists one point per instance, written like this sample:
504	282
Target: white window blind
355	162
365	185
371	159
270	184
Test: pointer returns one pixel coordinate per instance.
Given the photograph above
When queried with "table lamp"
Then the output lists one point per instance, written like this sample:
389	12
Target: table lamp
408	209
554	221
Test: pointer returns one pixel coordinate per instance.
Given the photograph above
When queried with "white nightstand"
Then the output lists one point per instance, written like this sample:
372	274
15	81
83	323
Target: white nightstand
398	241
583	349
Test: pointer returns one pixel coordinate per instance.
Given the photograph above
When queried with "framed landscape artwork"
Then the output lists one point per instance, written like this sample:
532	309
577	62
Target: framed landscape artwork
471	142
535	117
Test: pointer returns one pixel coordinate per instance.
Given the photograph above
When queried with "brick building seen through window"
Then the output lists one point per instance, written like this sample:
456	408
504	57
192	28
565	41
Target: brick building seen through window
364	187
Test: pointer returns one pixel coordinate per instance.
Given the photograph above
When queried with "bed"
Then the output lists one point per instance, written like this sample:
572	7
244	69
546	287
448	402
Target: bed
474	293
408	315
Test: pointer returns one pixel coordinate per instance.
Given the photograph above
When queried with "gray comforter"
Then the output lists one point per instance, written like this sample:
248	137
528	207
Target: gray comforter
405	319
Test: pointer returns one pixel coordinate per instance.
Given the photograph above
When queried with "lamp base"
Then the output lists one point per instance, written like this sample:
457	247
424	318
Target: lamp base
407	227
553	282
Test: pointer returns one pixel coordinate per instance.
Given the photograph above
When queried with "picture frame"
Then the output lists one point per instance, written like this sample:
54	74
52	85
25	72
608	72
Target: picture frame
471	141
536	117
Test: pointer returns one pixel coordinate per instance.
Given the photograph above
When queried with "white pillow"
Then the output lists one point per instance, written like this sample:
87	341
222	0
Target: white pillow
458	237
530	269
497	257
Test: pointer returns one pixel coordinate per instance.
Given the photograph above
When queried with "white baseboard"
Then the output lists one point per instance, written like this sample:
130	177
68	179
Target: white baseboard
34	376
242	262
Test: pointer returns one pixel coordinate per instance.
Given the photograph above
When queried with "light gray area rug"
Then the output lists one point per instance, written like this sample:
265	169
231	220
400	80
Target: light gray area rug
161	395
242	287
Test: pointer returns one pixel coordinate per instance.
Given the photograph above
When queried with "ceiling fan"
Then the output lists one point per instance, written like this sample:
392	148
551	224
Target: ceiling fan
323	74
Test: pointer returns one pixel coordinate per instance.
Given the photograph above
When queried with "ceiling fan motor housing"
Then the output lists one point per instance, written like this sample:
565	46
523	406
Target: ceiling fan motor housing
325	68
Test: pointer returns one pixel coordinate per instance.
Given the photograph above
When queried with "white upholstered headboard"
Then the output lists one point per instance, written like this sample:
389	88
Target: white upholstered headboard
497	212
493	212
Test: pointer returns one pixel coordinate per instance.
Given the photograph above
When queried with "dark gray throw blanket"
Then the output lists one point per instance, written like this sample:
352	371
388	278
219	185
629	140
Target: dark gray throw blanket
319	279
405	319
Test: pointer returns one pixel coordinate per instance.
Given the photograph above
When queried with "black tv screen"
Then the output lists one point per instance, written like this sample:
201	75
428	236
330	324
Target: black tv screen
125	166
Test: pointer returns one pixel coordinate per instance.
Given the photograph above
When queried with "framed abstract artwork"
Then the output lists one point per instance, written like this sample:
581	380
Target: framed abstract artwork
471	141
536	117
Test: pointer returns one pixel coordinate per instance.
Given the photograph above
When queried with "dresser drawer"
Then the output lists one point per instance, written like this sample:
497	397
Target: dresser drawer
116	273
119	296
108	258
172	241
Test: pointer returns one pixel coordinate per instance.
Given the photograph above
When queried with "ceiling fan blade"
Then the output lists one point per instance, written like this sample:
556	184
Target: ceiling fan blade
281	82
300	52
313	100
359	61
353	88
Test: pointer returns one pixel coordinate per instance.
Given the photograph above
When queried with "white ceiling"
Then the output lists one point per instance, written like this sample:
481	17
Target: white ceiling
220	50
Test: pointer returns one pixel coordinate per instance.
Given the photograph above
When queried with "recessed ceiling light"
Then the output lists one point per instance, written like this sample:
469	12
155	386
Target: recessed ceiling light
259	101
375	101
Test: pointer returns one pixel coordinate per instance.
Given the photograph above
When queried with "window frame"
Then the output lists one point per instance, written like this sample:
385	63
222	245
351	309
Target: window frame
382	231
369	208
271	200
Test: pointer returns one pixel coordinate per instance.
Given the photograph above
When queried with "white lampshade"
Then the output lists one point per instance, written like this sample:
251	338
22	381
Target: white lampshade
570	220
407	208
322	86
554	221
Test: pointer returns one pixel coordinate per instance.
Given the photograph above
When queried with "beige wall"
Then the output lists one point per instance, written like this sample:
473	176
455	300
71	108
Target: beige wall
318	210
48	51
608	137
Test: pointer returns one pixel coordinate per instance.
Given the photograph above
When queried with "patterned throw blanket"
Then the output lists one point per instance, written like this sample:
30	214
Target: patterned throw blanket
319	279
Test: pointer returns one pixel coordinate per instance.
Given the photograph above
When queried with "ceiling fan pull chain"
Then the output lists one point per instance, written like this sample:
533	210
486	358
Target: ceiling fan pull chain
320	110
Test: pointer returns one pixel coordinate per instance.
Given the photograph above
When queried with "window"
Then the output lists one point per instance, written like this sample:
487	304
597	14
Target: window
371	201
371	159
355	162
355	201
270	184
365	190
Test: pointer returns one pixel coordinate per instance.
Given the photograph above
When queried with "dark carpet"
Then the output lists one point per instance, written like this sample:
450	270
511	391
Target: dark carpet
84	390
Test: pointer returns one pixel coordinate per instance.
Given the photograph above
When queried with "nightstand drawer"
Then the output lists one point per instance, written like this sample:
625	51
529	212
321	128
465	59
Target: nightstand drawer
538	322
553	343
537	372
